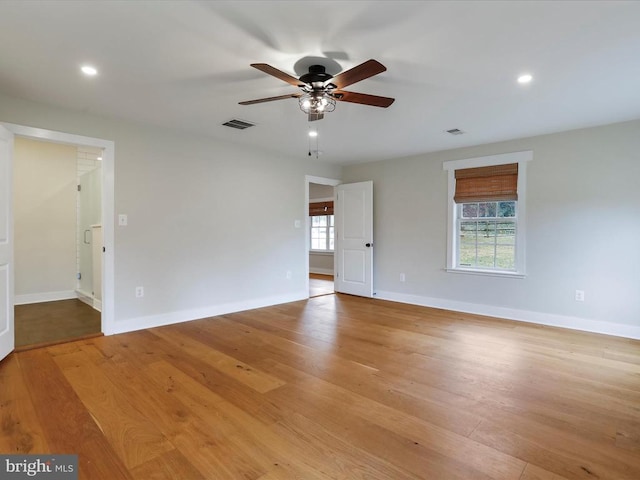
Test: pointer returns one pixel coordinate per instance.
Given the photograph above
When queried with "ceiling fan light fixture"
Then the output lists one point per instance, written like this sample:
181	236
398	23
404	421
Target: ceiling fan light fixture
316	102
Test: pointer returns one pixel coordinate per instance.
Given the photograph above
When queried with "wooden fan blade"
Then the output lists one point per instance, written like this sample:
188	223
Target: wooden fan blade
315	116
363	98
360	72
270	99
268	69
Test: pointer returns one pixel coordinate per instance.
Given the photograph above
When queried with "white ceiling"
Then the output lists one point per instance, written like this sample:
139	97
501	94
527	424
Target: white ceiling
452	64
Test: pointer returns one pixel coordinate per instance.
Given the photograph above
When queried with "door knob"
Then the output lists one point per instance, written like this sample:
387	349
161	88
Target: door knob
368	245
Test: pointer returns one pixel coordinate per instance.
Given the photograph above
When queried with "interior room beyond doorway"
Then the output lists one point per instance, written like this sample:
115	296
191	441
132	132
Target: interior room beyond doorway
57	193
321	239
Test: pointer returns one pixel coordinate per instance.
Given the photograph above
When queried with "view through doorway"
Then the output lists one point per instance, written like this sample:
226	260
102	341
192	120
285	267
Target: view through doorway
57	206
320	285
320	237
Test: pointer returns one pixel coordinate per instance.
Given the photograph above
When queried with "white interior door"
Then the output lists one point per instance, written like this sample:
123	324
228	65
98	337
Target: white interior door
7	339
354	239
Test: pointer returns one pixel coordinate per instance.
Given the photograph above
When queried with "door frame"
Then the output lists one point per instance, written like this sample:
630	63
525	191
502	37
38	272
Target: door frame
307	235
108	205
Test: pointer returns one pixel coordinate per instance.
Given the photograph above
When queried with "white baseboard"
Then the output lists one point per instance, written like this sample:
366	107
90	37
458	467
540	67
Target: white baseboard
85	297
321	271
162	319
28	298
550	319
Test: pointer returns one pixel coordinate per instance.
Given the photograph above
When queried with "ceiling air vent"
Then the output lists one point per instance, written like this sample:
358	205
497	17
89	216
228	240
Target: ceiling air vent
455	131
239	124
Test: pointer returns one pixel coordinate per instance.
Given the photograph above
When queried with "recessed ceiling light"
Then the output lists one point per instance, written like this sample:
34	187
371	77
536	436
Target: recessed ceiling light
313	133
89	71
99	158
525	78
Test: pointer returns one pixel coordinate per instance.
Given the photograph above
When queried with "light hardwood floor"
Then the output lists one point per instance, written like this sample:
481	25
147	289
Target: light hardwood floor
336	387
320	285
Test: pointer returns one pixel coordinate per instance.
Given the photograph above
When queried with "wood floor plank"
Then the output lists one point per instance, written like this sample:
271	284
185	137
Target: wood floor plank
243	435
556	451
169	466
234	368
135	437
533	472
479	457
68	426
20	429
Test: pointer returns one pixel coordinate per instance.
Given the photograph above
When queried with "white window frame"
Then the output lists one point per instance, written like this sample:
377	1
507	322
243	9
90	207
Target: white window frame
311	227
521	158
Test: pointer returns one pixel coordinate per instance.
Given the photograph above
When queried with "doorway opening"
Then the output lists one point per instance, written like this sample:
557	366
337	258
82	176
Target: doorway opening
82	305
57	211
320	235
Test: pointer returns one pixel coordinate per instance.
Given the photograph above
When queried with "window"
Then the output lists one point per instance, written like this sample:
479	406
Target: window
487	215
322	229
322	226
487	235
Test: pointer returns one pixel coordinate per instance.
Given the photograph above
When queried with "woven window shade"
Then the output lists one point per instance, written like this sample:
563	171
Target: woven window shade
320	208
487	184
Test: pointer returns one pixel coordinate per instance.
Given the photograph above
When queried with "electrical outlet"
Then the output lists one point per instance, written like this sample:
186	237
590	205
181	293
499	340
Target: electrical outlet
139	292
403	277
579	295
123	220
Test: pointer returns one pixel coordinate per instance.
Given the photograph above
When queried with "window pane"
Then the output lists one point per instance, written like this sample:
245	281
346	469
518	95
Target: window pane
316	244
469	210
486	232
485	256
468	233
506	209
506	257
506	233
487	209
331	220
467	256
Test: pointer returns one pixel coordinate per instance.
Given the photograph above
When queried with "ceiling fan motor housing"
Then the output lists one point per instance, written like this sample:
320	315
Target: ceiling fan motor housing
317	76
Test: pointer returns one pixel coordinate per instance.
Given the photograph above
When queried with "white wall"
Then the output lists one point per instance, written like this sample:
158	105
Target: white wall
44	220
195	240
583	205
320	262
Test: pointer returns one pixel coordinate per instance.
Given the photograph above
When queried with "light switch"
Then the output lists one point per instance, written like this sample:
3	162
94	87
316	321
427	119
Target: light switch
122	220
297	224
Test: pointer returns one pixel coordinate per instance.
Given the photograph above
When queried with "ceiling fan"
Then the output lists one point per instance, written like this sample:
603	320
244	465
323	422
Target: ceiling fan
320	90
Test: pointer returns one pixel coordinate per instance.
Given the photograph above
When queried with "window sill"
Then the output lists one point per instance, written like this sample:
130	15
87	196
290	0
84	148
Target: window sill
488	273
321	252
